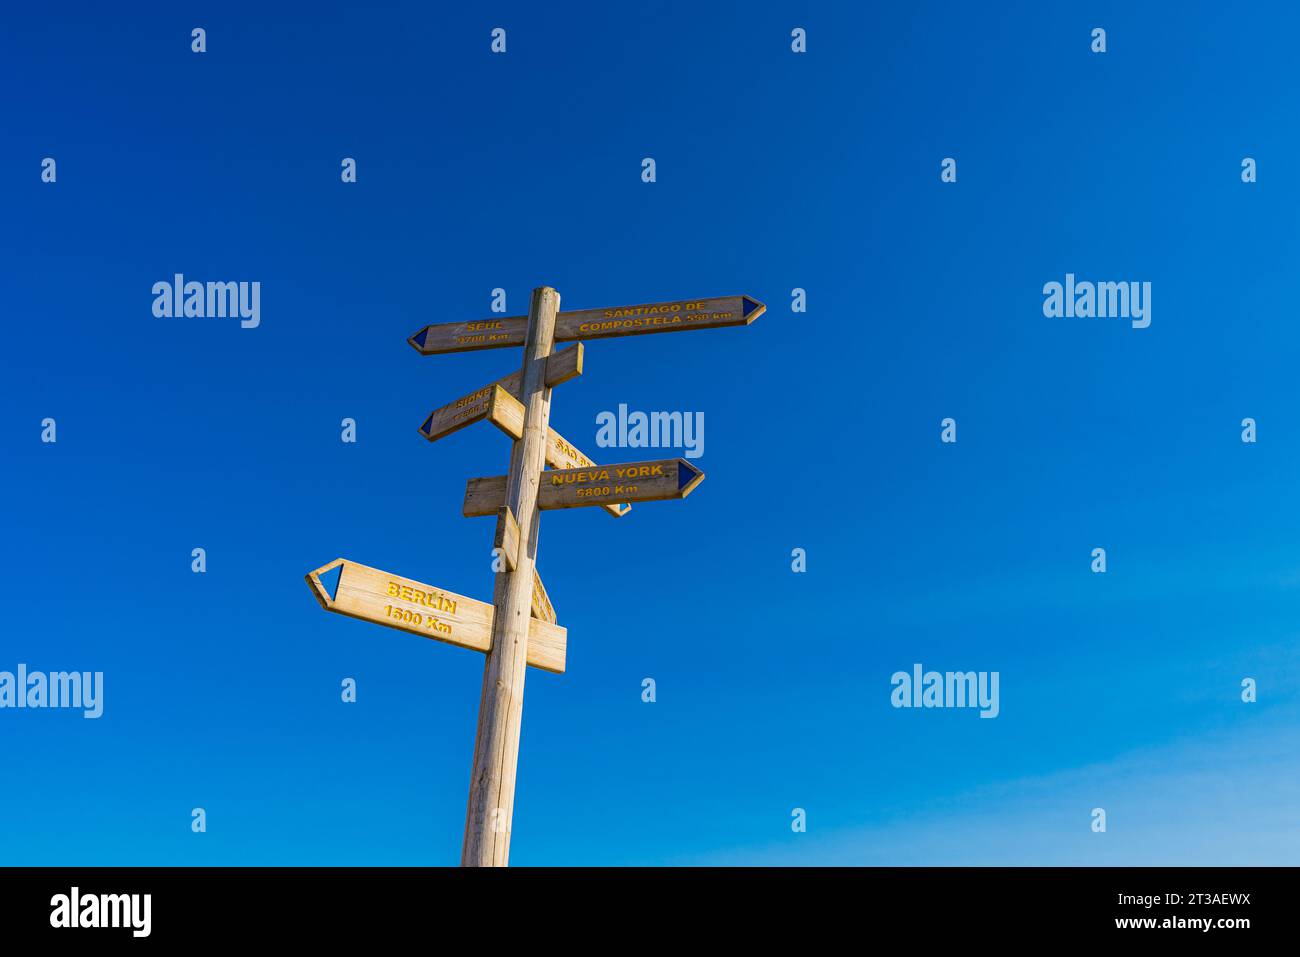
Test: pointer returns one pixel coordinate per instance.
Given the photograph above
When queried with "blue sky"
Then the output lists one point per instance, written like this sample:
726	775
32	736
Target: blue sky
774	171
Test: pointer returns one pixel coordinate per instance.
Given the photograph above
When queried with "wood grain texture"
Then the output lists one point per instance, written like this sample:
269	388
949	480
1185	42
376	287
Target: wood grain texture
541	605
470	336
506	541
476	406
654	317
507	413
563	454
642	319
489	816
370	594
653	481
561	367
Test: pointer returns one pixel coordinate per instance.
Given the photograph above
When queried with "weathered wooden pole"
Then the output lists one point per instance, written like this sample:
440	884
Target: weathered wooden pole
490	814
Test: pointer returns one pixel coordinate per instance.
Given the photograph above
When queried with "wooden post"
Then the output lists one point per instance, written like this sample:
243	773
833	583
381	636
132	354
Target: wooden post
490	814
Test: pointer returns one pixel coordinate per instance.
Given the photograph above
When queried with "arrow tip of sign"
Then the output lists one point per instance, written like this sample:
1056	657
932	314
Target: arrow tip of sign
330	580
418	340
427	427
322	587
688	476
751	309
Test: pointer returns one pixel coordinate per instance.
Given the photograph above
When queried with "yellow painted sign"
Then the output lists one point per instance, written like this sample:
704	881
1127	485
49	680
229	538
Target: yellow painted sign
592	485
563	454
386	599
581	324
657	317
442	421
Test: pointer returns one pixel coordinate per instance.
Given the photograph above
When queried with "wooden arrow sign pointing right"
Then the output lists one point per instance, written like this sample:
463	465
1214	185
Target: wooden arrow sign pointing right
592	485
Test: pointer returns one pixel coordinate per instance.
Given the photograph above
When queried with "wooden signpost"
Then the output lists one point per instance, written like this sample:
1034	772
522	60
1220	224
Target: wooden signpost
474	407
495	404
506	547
385	599
518	628
592	485
639	320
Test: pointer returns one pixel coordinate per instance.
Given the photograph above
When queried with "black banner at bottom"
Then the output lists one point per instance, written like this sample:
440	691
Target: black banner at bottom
335	906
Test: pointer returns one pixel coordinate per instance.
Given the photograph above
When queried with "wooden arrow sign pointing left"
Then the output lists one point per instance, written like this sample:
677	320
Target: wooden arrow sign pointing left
560	367
495	404
396	602
592	485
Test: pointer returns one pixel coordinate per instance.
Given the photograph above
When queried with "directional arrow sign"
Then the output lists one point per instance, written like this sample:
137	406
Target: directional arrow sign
657	317
592	485
563	454
491	402
638	320
542	607
506	546
503	410
469	336
373	595
560	367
